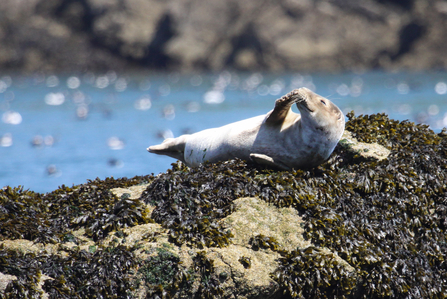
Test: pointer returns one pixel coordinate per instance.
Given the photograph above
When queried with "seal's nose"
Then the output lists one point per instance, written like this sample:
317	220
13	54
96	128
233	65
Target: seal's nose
302	94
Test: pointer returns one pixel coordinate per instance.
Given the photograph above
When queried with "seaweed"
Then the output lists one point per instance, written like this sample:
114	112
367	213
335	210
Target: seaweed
388	132
23	215
245	261
110	182
311	273
27	271
210	285
94	207
189	202
81	274
50	217
263	242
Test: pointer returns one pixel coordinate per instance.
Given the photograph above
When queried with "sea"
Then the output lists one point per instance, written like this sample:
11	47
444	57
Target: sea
64	129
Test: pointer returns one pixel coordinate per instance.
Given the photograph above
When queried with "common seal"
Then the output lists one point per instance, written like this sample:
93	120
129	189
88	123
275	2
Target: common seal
280	139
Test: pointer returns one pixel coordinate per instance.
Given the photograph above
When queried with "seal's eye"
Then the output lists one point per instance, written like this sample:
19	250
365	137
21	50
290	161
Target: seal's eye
324	103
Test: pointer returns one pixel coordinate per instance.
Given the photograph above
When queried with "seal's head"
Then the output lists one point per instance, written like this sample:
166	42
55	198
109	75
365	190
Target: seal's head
319	117
320	113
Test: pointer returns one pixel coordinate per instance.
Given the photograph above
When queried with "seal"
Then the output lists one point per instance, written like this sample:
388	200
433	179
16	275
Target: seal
280	139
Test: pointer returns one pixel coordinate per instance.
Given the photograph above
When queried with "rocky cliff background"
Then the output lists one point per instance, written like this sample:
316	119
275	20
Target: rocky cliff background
305	35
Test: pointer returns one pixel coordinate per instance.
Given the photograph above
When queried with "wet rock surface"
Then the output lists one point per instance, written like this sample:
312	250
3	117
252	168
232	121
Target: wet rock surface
354	227
327	35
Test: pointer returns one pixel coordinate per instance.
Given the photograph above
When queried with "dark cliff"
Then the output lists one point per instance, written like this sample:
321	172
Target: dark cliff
303	35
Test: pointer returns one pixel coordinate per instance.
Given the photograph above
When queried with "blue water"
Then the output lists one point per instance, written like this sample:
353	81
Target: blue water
72	118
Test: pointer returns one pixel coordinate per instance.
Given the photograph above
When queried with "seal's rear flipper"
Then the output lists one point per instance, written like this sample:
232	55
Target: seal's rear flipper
172	147
268	161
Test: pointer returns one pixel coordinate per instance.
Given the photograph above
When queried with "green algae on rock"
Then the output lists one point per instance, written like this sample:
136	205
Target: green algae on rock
162	274
374	227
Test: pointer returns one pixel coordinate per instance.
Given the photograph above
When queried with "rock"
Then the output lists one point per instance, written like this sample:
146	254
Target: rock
252	217
232	230
329	35
255	217
367	151
5	280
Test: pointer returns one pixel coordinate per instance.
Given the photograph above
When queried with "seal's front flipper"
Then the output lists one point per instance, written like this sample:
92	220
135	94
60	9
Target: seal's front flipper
282	113
268	161
172	147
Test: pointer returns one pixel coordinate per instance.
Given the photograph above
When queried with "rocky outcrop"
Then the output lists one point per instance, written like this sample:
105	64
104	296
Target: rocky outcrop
303	35
369	222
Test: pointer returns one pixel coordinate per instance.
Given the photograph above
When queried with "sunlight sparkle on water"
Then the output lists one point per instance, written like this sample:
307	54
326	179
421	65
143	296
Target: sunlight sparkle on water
102	82
121	84
6	140
54	98
3	86
52	81
433	110
12	117
144	103
73	82
441	88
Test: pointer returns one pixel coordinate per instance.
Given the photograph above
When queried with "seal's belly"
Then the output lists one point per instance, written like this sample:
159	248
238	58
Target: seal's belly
228	142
